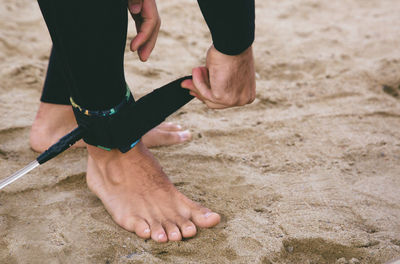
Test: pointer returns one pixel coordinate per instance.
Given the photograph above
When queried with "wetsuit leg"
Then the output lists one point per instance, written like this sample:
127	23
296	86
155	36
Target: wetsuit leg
89	37
55	88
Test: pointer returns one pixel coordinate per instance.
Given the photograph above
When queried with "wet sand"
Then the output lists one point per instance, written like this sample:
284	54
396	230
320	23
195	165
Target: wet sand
309	173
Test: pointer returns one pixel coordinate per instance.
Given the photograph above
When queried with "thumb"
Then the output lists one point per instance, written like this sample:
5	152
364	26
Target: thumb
135	6
188	84
201	82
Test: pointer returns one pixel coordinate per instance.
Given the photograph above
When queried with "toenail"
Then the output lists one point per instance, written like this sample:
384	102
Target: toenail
179	127
147	230
184	135
174	234
207	214
189	228
160	236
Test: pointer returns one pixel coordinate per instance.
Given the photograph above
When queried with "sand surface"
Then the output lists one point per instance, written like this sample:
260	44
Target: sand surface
309	173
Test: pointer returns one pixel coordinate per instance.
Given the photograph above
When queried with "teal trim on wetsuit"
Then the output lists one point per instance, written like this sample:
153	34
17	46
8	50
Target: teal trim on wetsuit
124	127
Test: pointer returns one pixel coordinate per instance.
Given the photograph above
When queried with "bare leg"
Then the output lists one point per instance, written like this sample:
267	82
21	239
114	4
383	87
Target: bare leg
54	121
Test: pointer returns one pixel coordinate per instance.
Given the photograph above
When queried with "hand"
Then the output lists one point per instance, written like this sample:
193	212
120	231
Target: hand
148	23
226	81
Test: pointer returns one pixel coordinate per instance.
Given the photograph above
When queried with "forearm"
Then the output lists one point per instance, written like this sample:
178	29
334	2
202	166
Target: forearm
231	23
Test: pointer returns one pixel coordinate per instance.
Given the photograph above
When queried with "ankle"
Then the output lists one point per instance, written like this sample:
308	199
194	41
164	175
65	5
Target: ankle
116	167
51	122
40	136
103	156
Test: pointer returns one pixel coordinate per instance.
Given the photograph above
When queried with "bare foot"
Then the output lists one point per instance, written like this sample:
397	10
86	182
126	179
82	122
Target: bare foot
54	121
140	197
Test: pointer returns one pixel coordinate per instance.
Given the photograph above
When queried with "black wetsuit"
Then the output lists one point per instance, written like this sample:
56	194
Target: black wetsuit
89	39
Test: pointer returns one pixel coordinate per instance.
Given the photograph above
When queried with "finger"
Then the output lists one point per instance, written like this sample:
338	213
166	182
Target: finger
196	95
213	105
145	31
188	84
135	6
145	50
150	23
208	103
201	83
138	23
194	92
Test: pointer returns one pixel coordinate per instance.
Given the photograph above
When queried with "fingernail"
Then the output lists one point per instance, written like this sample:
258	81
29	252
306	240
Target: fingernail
135	9
184	135
147	230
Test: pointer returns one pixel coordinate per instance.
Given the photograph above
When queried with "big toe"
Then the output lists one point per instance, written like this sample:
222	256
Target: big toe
204	217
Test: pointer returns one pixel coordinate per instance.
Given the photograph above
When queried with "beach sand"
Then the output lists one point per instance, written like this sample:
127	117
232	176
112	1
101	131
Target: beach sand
308	173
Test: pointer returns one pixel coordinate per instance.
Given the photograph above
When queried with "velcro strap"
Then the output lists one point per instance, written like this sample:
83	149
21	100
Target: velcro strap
123	128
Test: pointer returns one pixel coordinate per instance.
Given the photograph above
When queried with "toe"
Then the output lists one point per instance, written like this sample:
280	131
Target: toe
188	229
158	233
184	135
171	137
172	231
137	225
169	126
204	217
157	137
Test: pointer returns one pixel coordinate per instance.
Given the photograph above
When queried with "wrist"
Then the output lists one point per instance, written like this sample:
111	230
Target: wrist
214	56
